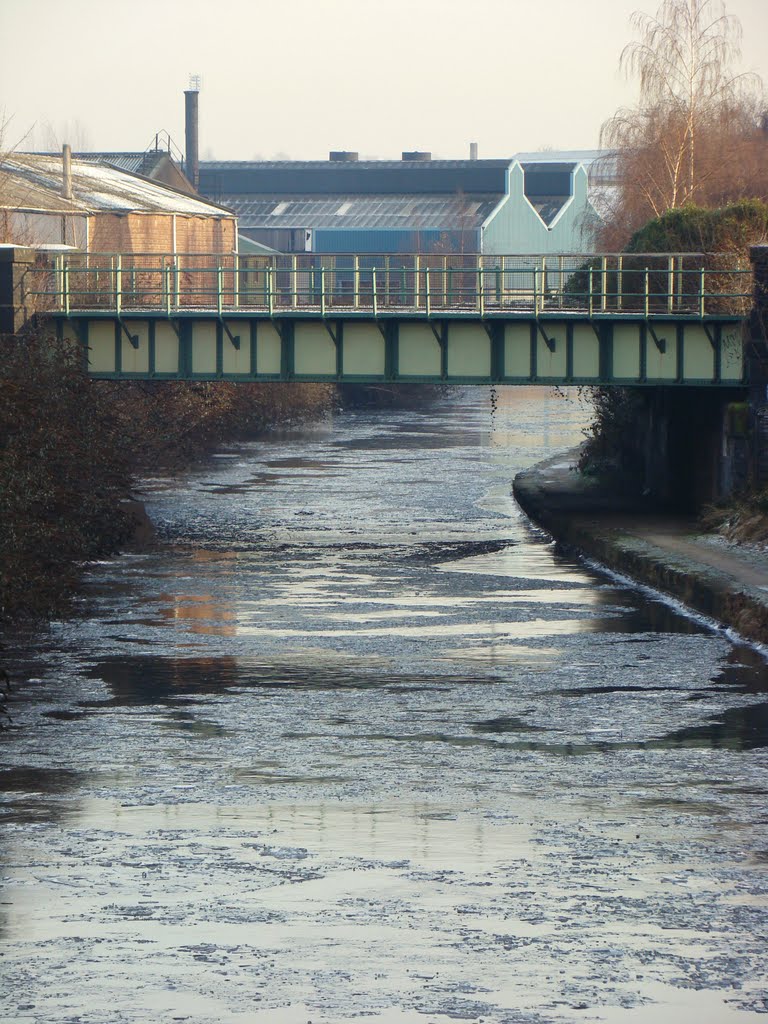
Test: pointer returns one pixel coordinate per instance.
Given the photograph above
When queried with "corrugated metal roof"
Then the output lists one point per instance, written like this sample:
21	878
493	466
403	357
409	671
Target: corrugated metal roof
368	177
345	212
600	163
34	181
134	163
20	192
341	165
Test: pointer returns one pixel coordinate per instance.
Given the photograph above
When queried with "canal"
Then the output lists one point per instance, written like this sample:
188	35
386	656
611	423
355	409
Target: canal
352	741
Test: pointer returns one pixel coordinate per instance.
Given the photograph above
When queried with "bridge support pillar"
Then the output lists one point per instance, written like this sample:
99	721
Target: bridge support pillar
16	305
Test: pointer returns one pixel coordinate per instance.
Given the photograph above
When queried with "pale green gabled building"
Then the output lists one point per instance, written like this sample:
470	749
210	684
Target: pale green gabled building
546	210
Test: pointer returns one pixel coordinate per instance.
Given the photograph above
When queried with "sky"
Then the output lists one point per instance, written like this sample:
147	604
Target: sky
294	79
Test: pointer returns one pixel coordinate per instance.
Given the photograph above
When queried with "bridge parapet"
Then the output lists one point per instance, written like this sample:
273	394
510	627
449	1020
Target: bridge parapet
647	284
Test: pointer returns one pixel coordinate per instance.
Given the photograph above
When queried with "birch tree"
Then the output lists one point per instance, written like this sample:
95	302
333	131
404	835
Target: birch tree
695	135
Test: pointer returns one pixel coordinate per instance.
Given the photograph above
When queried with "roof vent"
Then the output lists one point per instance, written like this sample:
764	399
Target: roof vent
342	156
418	156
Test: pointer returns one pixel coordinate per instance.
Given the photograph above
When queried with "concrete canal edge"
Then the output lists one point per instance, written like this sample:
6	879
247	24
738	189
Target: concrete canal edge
720	581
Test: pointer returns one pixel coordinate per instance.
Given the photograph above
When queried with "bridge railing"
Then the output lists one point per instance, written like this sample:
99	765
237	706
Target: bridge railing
648	284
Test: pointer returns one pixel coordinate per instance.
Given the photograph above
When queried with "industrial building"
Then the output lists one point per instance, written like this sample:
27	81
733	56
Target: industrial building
55	201
539	204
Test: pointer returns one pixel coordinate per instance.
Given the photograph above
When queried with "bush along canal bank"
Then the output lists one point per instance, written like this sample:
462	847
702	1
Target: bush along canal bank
72	451
723	581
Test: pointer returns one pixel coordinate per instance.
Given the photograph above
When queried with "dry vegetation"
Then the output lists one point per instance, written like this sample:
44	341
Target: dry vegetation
698	134
692	162
71	448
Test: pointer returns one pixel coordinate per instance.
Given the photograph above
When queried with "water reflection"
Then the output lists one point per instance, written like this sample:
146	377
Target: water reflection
355	742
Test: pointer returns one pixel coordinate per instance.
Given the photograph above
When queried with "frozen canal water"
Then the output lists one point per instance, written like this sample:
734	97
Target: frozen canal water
353	743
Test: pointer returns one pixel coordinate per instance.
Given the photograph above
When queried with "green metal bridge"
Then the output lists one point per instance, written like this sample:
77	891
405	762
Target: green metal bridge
669	319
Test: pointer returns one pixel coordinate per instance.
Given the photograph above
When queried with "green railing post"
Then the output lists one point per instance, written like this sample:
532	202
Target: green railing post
294	281
58	263
118	284
620	283
65	286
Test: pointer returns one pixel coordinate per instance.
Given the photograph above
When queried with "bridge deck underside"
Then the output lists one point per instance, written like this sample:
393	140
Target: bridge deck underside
460	350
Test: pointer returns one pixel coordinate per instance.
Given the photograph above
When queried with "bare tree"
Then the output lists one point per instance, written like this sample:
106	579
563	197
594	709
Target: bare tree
695	134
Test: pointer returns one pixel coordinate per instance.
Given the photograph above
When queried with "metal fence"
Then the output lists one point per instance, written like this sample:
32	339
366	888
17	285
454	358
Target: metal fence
677	284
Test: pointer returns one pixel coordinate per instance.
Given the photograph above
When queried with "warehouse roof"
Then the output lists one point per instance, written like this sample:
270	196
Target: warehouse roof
369	211
134	163
364	177
33	181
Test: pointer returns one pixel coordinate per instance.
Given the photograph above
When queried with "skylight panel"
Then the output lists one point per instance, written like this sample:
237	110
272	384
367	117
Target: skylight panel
344	208
279	209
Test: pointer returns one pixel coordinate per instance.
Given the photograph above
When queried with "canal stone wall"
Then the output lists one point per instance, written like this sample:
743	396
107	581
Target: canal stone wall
584	516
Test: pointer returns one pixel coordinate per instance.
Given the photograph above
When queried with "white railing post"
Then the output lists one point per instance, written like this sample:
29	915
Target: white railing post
416	281
604	283
236	280
58	265
427	296
167	287
480	294
670	283
65	285
647	292
356	283
294	281
219	286
270	295
543	289
701	293
373	293
118	284
322	291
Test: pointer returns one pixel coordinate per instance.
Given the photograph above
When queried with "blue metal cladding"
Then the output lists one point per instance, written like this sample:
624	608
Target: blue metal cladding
395	241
